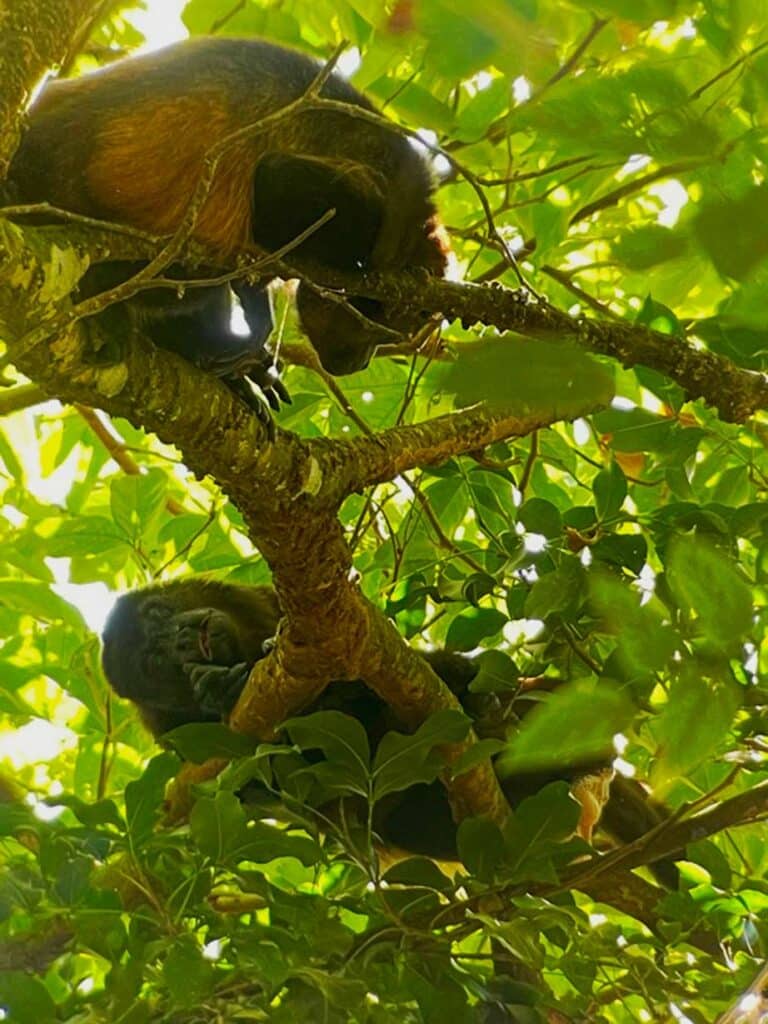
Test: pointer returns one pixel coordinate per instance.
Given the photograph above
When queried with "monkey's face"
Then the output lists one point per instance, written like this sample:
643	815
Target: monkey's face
343	342
207	635
139	655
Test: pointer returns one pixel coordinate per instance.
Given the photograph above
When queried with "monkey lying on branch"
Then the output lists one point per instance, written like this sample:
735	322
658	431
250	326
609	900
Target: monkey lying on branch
130	143
182	652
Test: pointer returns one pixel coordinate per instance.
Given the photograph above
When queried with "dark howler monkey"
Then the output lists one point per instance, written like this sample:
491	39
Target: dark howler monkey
128	144
182	652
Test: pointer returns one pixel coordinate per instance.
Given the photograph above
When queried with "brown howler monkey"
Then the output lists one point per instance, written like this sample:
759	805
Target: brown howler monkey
182	652
128	143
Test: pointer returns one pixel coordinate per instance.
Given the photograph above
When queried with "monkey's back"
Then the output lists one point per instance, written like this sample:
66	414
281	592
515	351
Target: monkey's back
128	142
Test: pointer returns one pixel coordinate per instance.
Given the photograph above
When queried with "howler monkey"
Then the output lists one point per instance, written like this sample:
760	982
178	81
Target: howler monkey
128	143
182	652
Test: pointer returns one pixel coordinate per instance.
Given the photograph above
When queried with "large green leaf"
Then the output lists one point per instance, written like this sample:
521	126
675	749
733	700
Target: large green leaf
529	376
710	589
576	724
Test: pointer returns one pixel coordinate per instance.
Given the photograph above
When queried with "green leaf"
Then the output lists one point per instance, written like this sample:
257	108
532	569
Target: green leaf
496	673
467	631
102	812
635	430
201	740
418	871
474	755
707	586
72	880
693	724
25	999
644	642
538	826
136	501
539	516
557	380
39	601
558	592
189	976
627	550
573	725
610	490
645	246
477	586
458	43
144	797
402	761
730	229
342	740
711	857
263	843
481	847
483	109
218	825
86	535
345	993
223	833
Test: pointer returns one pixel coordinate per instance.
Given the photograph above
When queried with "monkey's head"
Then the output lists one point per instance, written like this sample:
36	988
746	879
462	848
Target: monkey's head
138	654
147	642
345	343
382	220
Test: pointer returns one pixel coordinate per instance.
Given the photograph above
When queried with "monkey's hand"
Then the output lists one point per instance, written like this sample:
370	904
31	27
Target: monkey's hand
217	687
266	376
270	386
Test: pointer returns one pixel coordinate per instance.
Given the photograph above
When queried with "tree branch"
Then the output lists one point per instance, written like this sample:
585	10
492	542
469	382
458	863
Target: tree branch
24	396
736	393
34	36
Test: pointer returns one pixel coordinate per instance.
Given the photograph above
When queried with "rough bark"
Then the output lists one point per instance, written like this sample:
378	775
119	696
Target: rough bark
35	35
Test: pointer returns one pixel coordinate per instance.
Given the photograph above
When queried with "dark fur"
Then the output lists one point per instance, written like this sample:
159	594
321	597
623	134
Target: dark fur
127	143
152	634
182	652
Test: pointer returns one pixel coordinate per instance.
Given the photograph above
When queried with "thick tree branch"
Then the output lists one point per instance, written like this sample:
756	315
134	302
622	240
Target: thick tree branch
34	36
735	392
22	397
350	466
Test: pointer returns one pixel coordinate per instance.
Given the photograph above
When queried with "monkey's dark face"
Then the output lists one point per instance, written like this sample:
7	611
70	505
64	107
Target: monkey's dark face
344	343
140	649
154	641
207	635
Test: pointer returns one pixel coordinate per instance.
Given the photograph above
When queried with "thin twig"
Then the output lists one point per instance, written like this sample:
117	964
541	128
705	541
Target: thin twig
443	540
222	21
116	449
598	24
530	462
726	71
566	281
